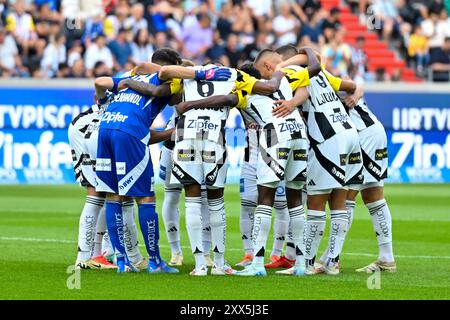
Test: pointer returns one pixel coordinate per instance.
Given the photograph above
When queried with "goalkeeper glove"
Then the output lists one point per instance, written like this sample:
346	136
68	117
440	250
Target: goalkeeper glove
214	74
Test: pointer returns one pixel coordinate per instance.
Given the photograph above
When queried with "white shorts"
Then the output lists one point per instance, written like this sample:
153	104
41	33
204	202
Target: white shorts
373	143
335	163
197	161
165	168
249	188
284	161
83	138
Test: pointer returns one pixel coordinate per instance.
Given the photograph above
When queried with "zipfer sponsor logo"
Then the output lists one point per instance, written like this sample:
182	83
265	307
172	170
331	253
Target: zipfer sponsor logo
201	124
113	117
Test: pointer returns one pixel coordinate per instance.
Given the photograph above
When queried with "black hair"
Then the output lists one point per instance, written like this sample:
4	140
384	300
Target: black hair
250	69
166	56
262	53
287	51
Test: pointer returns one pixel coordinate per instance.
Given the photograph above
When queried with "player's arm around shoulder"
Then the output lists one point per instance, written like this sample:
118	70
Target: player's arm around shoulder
286	107
229	100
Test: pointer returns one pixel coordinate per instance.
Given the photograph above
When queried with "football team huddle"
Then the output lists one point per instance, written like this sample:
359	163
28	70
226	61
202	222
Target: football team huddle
311	139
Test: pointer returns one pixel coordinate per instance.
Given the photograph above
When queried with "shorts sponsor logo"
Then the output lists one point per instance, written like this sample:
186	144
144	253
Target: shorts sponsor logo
381	154
283	153
186	155
177	172
103	164
127	182
121	168
113	117
354	158
300	155
337	174
343	159
209	156
213	175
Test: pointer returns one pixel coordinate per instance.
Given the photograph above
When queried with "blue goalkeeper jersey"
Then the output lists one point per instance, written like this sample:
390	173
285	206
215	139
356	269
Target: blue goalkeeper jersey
132	112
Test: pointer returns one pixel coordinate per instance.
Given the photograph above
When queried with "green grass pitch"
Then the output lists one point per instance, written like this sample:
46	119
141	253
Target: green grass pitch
38	230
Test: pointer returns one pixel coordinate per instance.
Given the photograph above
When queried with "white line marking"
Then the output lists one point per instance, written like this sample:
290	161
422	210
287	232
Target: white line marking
229	249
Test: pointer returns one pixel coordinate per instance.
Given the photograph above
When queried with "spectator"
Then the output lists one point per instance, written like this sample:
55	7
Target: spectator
312	27
252	50
142	49
332	21
337	55
217	51
418	48
286	26
75	53
121	49
161	40
136	21
435	29
359	60
10	64
440	63
114	22
232	51
21	26
387	13
98	51
54	55
197	38
94	27
101	70
77	70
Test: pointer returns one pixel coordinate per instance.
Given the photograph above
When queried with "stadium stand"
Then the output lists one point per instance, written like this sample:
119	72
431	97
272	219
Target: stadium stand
369	40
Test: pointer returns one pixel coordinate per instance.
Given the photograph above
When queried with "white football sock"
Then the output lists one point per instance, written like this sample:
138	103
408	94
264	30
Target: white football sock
315	226
290	246
280	227
382	224
297	217
87	227
100	230
246	224
194	228
338	230
171	218
107	247
350	205
218	229
130	232
206	227
261	228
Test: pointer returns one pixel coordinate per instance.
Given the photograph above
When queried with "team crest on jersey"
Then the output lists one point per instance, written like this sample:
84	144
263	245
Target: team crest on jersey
300	155
186	155
282	153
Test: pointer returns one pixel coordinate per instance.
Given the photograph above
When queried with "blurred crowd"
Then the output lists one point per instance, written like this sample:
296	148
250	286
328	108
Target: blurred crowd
89	38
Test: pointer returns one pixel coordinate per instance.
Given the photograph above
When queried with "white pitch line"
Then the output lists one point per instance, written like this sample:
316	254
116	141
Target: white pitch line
229	249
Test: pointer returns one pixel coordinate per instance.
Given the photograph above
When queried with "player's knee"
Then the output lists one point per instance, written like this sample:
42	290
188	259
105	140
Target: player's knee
372	194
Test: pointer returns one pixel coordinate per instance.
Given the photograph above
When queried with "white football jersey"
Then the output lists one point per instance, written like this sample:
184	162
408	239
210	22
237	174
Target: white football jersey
326	115
279	129
205	123
361	116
